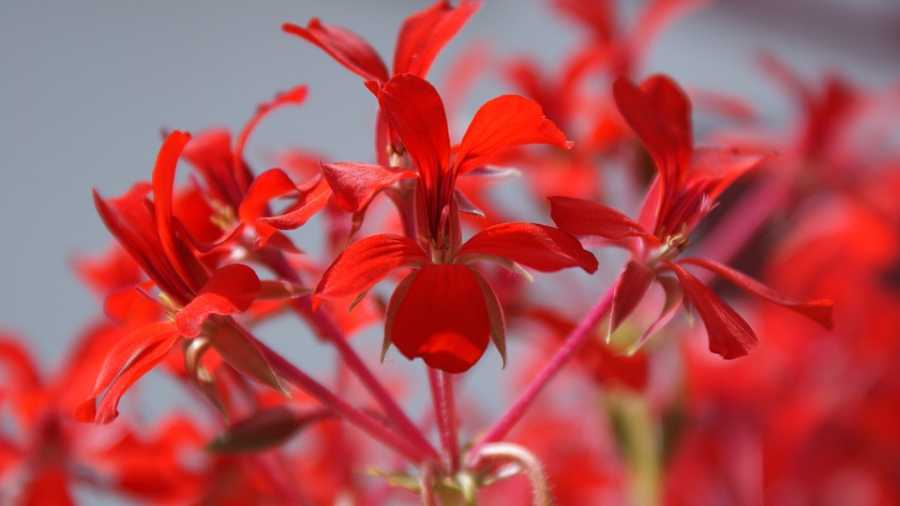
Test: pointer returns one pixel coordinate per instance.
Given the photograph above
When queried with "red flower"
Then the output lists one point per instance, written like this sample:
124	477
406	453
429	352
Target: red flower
190	293
444	311
688	183
419	41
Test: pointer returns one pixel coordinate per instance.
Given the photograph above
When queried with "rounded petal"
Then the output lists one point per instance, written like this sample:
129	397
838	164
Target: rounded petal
365	263
540	247
443	318
506	122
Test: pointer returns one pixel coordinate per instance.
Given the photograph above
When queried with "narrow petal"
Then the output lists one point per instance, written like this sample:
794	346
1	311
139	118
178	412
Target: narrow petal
584	217
356	184
269	185
163	187
443	319
628	293
347	48
264	429
230	290
726	164
309	203
240	350
496	317
415	112
729	335
144	351
365	263
502	123
819	310
294	96
540	247
674	296
425	33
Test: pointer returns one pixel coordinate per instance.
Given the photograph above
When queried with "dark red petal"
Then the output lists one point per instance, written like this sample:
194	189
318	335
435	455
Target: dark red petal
503	123
346	47
586	217
230	290
659	113
266	428
443	318
393	305
415	112
496	317
355	184
629	291
819	310
729	335
425	33
365	263
674	296
540	247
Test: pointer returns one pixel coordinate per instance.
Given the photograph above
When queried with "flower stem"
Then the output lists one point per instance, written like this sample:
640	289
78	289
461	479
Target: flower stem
328	330
445	414
364	421
572	343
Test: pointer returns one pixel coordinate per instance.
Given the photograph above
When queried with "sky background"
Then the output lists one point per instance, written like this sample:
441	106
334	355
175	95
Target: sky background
87	85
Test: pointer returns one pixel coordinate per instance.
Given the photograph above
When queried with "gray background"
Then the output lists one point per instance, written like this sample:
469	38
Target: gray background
86	86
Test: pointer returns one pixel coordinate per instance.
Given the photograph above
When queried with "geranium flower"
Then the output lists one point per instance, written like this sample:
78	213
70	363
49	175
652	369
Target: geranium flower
422	36
191	293
443	311
688	183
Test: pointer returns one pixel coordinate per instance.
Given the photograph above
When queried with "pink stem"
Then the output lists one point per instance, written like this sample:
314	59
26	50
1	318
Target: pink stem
364	421
452	422
327	329
572	343
440	412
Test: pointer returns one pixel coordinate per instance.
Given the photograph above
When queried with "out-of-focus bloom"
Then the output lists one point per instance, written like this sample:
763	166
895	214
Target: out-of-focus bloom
688	183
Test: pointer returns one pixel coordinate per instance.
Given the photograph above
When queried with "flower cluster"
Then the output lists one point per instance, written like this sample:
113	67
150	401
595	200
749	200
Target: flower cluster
645	407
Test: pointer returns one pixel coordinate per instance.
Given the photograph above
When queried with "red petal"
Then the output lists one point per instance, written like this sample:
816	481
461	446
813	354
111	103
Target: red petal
365	263
131	305
726	164
585	217
210	153
729	335
355	184
415	112
629	291
425	33
540	247
294	96
659	112
163	187
674	296
346	47
503	123
443	318
127	363
819	310
656	16
267	186
309	202
230	290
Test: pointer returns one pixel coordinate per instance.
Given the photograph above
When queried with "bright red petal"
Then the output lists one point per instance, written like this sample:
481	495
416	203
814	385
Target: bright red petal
365	263
819	311
415	112
425	33
540	247
729	335
344	46
443	318
585	217
506	122
309	202
230	290
355	184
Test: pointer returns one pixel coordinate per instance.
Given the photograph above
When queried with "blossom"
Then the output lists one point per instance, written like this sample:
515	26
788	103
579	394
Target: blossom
444	311
196	299
688	182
